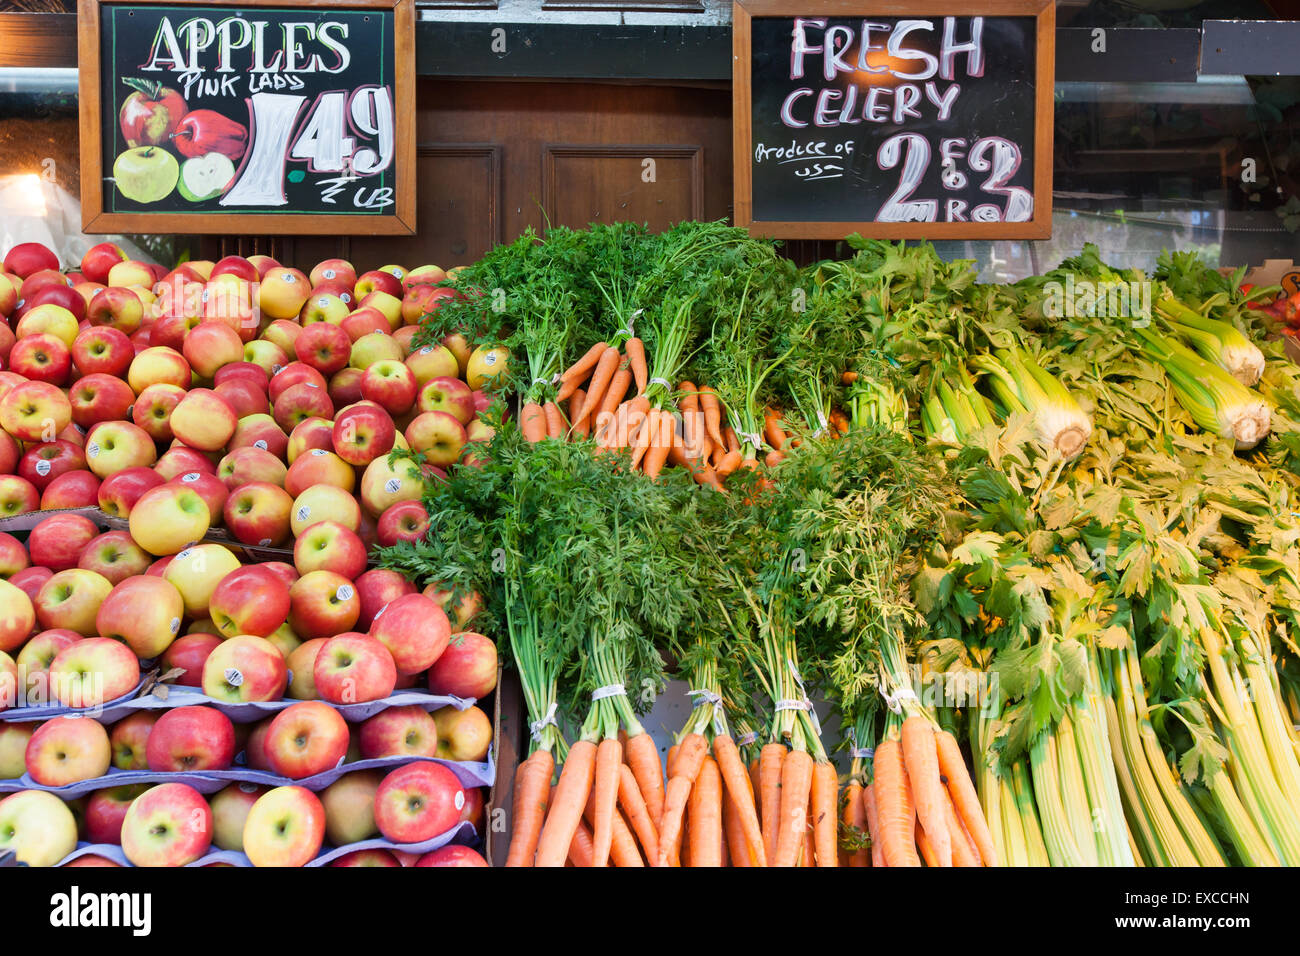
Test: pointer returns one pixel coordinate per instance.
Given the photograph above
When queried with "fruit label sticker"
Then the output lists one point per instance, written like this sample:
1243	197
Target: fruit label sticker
42	467
393	485
345	592
211	111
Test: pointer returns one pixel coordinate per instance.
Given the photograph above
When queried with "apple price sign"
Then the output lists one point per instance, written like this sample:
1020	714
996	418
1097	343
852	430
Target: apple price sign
902	126
228	117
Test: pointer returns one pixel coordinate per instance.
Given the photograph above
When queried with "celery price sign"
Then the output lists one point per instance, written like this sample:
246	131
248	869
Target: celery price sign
209	109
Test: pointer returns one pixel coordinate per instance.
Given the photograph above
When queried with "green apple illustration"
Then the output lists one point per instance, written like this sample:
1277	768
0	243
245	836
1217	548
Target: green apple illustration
205	177
146	173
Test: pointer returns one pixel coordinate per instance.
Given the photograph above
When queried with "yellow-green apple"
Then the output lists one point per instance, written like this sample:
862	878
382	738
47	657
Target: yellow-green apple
249	600
329	546
486	364
467	668
319	467
106	809
68	750
71	599
324	347
372	857
305	739
41	358
248	464
153	409
44	462
56	541
169	518
13	744
100	397
313	433
99	258
208	486
388	305
179	459
427	274
324	503
9	298
418	801
130	740
187	654
191	739
322	604
333	270
86	290
117	308
49	319
447	394
323	308
130	272
430	362
365	322
244	669
259	513
210	345
374	347
115	555
282	333
144	613
269	356
260	431
297	403
452	855
350	807
230	808
73	489
285	640
156	364
196	572
460	347
398	272
203	267
34	662
414	629
283	292
438	436
119	492
35	411
377	588
302	664
377	280
37	827
285	827
167	825
353	668
463	735
362	433
390	384
28	581
345	386
236	266
203	420
399	732
264	264
385	483
18	496
104	351
202	625
13	556
244	397
115	446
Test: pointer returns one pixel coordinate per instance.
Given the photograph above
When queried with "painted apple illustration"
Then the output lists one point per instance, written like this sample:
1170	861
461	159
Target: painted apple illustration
149	115
205	177
206	131
146	173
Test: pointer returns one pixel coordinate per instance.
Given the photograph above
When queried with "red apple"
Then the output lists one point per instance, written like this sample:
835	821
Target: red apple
243	397
29	582
372	857
210	345
119	492
414	629
179	460
352	668
285	827
130	740
450	395
377	280
153	409
377	588
35	411
452	855
99	259
207	486
333	270
188	653
260	431
57	541
13	556
100	397
297	403
72	489
406	731
44	462
467	668
313	433
167	825
324	347
191	739
363	323
249	600
41	358
28	257
70	599
143	612
329	546
235	266
115	555
362	433
259	513
244	669
115	446
418	801
305	739
105	811
18	496
67	750
438	436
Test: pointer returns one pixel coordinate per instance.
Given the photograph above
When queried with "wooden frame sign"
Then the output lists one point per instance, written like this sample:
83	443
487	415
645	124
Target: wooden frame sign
256	117
899	119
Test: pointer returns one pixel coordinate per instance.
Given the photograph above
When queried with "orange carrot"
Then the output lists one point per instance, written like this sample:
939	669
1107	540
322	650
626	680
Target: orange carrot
873	825
691	751
604	795
739	788
808	851
729	436
643	757
849	377
676	794
670	761
854	817
616	393
634	807
554	420
796	784
692	419
580	848
636	358
532	788
773	458
964	798
570	798
575	403
623	849
895	813
926	847
754	786
600	380
712	409
580	369
738	851
825	822
922	761
665	436
772	431
730	462
706	816
532	421
646	436
964	850
770	759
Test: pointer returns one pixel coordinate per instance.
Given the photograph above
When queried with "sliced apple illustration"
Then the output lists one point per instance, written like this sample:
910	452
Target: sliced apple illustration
206	177
146	173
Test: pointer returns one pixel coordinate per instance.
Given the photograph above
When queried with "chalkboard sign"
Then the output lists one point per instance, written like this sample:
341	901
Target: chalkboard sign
270	116
893	119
